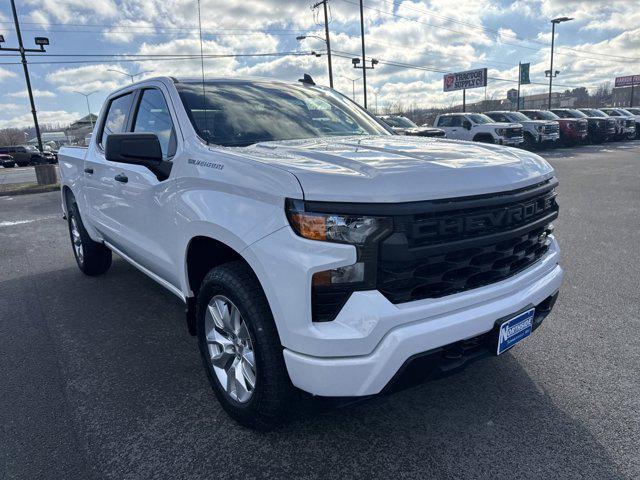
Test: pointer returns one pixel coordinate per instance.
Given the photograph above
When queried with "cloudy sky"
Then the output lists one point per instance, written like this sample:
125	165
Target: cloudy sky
415	42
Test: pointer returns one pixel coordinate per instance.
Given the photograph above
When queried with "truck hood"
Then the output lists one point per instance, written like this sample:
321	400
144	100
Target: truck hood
400	169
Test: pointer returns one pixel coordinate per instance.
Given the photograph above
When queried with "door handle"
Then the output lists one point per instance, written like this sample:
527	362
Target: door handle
88	170
121	177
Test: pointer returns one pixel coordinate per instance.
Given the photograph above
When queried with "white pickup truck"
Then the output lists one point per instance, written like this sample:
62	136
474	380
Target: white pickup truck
537	133
479	128
314	249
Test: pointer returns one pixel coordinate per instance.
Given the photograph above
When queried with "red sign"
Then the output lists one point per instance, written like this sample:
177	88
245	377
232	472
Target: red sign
627	81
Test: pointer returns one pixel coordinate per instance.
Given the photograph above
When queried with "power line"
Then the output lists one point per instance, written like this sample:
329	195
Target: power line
170	57
467	33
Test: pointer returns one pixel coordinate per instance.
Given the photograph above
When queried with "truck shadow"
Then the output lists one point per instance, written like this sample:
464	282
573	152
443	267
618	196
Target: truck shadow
141	405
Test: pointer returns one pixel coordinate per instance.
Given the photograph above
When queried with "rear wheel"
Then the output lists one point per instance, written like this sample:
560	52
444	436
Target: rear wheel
93	258
241	349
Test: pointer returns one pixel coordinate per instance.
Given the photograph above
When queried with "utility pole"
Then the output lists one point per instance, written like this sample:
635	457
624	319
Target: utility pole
464	100
41	42
364	65
551	73
327	39
519	79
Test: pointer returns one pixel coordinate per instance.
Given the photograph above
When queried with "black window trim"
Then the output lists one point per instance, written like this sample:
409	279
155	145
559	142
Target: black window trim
137	100
98	139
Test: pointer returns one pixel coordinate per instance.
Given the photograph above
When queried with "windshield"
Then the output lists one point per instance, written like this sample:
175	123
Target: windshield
402	122
480	118
544	114
625	112
577	113
633	111
593	112
517	117
236	114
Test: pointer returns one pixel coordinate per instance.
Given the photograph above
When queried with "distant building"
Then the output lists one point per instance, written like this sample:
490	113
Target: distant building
621	96
79	130
53	139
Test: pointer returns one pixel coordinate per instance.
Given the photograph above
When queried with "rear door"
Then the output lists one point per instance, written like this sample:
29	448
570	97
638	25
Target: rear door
100	187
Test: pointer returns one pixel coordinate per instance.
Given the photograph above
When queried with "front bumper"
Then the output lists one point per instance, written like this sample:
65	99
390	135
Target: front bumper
383	336
548	137
510	140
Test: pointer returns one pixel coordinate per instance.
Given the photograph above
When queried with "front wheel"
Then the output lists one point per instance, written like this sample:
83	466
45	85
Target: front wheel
93	258
241	349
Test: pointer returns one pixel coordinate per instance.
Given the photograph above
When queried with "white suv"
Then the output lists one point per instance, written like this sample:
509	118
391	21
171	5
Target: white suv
479	128
313	249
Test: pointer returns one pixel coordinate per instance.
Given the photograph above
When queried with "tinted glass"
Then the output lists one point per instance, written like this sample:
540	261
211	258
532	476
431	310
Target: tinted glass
116	120
625	112
402	122
456	121
480	118
153	117
242	113
593	112
517	117
634	111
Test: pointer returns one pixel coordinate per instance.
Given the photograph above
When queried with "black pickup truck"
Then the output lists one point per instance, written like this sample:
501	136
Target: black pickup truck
601	129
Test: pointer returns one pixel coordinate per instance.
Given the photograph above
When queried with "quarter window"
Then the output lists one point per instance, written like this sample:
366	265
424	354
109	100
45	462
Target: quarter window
153	117
116	120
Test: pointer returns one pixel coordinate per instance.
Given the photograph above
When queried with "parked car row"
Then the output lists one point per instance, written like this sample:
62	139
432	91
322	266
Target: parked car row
530	129
25	155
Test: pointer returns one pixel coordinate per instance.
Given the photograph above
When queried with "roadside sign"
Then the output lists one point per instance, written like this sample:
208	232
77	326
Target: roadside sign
464	80
627	81
524	73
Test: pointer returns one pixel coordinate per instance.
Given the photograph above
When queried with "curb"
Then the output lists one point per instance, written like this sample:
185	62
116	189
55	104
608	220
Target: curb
27	191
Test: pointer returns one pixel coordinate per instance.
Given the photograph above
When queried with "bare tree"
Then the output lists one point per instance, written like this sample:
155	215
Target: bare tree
11	136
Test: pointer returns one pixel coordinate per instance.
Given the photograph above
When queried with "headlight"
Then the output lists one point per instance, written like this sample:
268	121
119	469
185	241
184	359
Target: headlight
539	128
325	227
330	289
500	131
570	125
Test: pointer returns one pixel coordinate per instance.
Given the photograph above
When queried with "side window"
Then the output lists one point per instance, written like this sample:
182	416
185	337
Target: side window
153	117
456	121
444	122
116	120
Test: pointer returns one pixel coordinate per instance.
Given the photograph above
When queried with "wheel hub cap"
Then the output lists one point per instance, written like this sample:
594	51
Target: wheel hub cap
230	348
76	240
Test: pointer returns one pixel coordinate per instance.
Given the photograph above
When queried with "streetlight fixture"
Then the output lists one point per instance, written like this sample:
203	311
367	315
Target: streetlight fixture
86	96
551	73
304	37
130	75
353	85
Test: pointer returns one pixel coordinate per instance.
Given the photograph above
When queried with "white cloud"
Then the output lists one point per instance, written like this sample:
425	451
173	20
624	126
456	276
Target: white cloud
5	74
88	78
45	117
36	93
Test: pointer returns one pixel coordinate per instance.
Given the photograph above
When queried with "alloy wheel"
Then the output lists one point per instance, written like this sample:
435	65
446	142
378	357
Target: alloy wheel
230	348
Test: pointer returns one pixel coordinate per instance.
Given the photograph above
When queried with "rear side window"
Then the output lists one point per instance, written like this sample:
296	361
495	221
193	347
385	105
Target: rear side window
116	119
445	121
153	117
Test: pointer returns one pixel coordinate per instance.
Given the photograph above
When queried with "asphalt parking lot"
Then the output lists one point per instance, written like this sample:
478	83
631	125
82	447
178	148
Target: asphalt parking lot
17	175
99	378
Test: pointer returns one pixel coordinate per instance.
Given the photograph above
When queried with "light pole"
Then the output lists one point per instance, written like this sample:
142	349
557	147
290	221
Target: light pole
353	86
130	75
550	72
86	97
41	42
303	37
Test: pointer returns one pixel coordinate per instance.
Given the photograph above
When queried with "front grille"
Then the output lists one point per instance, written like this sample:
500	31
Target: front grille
630	122
551	129
583	126
461	244
514	132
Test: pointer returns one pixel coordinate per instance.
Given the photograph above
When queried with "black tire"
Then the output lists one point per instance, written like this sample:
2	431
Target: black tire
273	392
484	139
9	165
96	258
529	142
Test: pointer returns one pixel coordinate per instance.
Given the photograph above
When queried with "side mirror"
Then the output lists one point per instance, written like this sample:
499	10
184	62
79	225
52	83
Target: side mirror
466	124
138	149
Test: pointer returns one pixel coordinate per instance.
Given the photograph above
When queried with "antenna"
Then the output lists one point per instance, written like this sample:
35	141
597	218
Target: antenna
204	97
